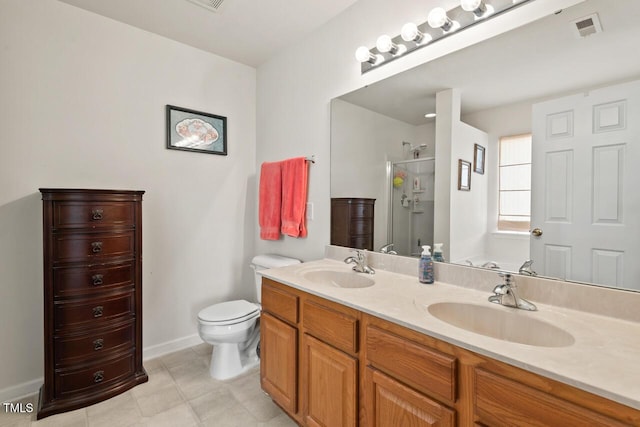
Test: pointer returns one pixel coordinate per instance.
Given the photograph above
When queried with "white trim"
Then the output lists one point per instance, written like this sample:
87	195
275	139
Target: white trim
17	392
158	350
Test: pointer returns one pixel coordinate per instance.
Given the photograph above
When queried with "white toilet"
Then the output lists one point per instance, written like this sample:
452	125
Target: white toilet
232	327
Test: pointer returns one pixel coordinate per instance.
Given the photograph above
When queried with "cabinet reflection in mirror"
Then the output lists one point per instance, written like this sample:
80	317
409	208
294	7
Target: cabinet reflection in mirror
555	116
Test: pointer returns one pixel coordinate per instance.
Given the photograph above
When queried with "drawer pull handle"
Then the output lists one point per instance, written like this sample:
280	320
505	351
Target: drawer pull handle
96	247
97	279
98	376
96	214
98	344
97	311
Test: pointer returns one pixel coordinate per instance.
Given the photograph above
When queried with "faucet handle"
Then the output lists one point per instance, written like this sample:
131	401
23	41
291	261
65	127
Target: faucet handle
359	254
508	278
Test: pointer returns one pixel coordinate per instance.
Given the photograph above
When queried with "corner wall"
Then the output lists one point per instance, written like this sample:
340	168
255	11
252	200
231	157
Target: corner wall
82	106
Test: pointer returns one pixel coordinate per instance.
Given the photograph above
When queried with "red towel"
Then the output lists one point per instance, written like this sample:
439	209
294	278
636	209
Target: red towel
270	200
294	197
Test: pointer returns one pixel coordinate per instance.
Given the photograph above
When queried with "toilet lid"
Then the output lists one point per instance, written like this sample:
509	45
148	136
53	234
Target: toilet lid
226	311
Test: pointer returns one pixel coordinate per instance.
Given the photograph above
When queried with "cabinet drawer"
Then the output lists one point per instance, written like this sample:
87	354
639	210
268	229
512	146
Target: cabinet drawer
420	367
93	313
92	246
279	302
361	226
504	402
362	210
331	326
95	376
93	214
87	279
96	343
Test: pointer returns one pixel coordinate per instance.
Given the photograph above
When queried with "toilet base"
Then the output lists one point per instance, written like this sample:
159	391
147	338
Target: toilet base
229	360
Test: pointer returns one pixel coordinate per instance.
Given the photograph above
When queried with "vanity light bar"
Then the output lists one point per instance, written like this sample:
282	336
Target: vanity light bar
440	24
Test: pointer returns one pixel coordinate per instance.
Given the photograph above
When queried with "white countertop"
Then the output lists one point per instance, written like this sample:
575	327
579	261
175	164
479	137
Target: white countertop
604	359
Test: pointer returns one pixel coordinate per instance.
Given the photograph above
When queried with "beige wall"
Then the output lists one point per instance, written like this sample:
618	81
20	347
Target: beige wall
82	105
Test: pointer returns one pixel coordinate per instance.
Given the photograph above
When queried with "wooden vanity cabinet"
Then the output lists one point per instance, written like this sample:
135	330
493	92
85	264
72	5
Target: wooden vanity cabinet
354	369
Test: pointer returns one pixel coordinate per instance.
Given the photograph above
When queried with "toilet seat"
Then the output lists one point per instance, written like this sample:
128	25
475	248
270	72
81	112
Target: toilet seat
228	313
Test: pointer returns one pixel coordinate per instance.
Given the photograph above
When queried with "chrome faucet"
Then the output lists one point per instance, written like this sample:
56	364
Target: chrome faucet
388	249
526	268
360	261
505	294
490	264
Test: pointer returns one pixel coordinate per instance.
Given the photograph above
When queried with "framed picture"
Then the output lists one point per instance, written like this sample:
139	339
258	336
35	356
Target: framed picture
464	175
191	130
478	159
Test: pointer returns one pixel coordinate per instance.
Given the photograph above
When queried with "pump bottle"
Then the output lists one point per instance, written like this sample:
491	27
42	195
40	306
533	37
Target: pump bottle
425	270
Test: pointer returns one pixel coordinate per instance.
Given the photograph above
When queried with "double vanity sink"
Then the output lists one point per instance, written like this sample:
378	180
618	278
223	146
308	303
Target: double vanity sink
495	322
594	353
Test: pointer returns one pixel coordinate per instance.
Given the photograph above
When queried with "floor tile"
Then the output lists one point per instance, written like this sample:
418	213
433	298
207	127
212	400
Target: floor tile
157	380
214	404
236	416
77	418
178	358
10	419
120	411
180	415
162	399
194	380
281	420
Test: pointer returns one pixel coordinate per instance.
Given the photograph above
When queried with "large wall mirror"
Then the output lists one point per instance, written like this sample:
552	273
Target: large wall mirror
547	119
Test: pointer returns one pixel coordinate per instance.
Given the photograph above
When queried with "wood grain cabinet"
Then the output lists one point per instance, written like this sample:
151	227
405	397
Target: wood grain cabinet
92	242
337	366
352	221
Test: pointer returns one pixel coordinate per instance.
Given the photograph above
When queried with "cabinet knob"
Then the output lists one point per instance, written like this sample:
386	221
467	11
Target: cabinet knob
98	311
96	214
98	376
98	344
96	247
97	279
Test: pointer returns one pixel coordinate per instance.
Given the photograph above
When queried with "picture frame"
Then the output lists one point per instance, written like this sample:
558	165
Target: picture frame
478	158
196	131
464	175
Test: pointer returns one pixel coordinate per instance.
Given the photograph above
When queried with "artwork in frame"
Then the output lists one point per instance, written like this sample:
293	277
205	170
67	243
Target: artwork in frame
191	130
464	175
478	159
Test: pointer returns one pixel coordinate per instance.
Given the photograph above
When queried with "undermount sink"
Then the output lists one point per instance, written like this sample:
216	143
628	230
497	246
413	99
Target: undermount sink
503	324
341	279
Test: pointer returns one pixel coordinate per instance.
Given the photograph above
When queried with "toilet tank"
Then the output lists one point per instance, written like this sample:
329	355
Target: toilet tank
266	261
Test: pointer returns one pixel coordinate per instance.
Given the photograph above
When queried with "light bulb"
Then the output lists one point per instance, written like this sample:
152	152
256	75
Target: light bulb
364	55
385	44
478	7
410	33
438	19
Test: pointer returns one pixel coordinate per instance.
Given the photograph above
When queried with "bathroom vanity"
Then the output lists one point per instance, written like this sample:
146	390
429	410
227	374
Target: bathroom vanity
374	355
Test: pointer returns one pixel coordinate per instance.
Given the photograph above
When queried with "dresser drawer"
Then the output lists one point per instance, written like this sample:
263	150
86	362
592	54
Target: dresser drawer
95	376
93	344
362	210
423	368
95	312
87	279
92	246
361	226
93	214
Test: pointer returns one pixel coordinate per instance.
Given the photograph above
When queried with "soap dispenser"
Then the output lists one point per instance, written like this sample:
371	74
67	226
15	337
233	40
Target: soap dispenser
425	270
437	252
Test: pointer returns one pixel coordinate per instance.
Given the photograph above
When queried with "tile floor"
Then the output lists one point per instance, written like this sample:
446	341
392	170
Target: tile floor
180	392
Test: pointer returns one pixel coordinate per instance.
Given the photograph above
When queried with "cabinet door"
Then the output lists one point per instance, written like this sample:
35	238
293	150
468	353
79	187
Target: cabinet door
390	403
330	385
278	361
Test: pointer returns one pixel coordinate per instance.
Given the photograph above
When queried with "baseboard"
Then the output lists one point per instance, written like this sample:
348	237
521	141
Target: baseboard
16	392
158	350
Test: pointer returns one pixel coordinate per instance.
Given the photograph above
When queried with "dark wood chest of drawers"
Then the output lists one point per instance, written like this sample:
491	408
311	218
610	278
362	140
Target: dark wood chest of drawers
92	297
352	222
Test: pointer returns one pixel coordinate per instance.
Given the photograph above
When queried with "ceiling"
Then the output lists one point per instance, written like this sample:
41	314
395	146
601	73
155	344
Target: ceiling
246	31
539	60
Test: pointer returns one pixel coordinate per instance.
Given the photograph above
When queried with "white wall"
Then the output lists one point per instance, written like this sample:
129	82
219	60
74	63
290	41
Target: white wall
507	249
295	89
82	106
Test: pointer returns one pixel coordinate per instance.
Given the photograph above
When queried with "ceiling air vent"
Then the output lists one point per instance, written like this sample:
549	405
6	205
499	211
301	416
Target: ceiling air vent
587	25
212	5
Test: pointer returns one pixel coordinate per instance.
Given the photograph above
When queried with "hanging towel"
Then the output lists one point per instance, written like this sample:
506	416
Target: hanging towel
270	200
294	197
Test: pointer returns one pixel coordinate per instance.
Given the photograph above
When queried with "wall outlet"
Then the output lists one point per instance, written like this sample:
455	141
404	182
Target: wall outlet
310	211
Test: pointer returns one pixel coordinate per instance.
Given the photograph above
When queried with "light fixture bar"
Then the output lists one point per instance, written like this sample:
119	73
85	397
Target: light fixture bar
419	36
